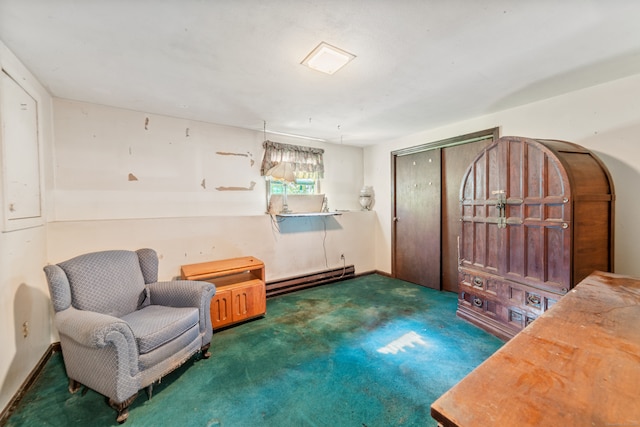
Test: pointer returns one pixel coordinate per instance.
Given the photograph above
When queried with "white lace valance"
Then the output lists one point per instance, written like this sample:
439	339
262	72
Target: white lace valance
290	162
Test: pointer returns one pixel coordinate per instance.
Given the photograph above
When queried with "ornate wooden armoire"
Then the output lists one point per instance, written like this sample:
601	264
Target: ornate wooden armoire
537	218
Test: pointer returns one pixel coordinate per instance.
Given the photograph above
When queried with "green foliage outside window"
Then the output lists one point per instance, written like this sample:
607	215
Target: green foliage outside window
300	186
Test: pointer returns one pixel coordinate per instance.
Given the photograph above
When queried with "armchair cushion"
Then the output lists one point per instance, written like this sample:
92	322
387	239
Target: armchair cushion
156	325
169	354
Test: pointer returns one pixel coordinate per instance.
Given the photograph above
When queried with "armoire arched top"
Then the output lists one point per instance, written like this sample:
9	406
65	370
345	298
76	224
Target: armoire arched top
537	218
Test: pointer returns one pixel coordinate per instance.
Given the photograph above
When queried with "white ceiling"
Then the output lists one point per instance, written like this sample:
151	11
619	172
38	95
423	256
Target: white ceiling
420	63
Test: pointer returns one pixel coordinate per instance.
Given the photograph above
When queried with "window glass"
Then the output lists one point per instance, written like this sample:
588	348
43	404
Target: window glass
300	186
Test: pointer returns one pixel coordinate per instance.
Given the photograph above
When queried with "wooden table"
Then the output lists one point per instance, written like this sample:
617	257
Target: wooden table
577	365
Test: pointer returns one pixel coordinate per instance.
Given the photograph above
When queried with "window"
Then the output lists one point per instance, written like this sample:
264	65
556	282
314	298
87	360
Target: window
289	200
290	170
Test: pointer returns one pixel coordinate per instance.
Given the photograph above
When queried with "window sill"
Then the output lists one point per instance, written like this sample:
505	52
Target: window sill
307	214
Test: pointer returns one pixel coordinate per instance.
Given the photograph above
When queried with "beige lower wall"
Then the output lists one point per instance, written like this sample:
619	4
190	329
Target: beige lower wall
289	246
24	307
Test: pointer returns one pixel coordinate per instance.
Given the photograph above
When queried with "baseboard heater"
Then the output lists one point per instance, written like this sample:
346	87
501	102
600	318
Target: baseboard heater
291	284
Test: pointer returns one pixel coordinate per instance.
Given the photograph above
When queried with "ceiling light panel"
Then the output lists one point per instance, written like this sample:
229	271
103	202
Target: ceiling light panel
327	59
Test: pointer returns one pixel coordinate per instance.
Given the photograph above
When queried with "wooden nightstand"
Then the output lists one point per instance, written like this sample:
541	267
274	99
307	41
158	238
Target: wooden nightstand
240	288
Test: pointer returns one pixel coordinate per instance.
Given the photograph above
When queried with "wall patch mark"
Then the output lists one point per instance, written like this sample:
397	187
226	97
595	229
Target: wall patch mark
250	188
224	153
248	154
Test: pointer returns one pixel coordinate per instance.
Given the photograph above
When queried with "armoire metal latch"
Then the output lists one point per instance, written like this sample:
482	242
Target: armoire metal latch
501	205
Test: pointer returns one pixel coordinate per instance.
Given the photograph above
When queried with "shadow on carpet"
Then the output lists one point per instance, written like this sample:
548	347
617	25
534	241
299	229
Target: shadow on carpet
371	351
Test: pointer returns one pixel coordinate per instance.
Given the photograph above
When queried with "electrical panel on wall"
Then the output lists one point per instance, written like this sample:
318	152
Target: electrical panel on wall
20	156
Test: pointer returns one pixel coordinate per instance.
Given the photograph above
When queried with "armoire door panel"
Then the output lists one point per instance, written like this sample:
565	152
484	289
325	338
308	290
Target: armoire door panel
533	211
466	242
513	168
480	240
493	257
554	182
494	177
515	256
557	257
535	173
530	228
554	212
514	212
534	266
480	189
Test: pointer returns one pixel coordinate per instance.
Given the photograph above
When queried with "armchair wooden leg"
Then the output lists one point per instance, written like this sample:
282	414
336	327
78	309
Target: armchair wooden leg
74	386
122	408
205	351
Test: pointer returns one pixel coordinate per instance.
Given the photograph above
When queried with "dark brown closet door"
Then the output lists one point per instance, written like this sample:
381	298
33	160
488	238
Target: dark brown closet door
417	204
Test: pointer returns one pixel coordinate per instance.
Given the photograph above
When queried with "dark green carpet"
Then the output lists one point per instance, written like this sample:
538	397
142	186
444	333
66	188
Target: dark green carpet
371	351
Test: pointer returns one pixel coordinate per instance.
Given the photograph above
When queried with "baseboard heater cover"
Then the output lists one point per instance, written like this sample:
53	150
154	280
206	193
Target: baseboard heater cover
291	284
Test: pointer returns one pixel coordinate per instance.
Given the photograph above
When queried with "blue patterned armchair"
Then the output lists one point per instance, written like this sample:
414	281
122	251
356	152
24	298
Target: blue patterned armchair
120	329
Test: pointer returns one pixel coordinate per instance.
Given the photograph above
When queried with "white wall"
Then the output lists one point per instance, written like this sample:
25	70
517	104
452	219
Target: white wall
603	118
23	292
95	206
97	147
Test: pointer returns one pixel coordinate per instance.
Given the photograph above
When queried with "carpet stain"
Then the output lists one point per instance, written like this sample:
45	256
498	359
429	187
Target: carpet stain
370	351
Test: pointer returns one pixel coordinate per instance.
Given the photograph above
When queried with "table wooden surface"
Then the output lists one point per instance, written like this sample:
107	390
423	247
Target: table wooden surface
577	365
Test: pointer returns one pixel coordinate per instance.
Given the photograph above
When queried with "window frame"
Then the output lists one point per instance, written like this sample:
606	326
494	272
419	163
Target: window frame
269	181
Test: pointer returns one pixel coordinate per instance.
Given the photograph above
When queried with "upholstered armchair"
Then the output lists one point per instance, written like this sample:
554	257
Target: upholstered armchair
120	329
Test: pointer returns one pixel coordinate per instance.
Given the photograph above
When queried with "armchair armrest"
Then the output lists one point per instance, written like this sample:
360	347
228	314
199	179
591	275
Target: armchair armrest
96	330
181	293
